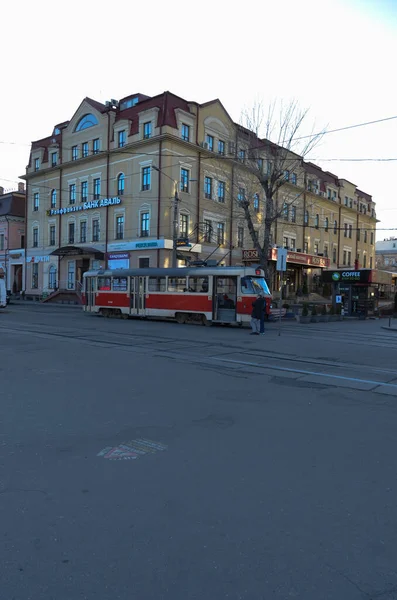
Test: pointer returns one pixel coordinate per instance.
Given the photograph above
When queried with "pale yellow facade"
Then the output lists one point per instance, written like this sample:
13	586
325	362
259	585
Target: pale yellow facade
105	192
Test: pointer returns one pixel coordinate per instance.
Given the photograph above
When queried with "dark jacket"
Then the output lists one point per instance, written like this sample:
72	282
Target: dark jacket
258	308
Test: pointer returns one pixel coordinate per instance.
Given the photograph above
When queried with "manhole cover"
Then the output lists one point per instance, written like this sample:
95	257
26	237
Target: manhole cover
131	450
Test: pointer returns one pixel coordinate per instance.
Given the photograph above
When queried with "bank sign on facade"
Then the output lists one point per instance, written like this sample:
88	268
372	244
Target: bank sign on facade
85	206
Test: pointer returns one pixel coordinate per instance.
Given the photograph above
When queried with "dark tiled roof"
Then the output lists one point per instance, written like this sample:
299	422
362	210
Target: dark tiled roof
97	105
364	195
12	204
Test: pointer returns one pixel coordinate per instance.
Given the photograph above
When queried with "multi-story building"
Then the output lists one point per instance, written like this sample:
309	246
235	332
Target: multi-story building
12	237
101	192
386	254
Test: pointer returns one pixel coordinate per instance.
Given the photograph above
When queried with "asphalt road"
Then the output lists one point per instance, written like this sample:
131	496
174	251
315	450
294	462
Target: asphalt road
149	460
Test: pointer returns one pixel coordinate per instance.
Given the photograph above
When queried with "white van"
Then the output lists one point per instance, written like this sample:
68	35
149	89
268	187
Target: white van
3	293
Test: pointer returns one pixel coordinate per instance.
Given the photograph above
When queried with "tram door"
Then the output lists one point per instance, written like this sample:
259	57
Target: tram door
90	291
138	295
225	299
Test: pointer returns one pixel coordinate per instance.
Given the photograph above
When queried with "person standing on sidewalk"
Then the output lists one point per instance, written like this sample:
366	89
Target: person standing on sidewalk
264	315
258	311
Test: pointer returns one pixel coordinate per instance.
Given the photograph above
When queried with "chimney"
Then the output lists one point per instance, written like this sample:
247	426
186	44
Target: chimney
21	187
1	191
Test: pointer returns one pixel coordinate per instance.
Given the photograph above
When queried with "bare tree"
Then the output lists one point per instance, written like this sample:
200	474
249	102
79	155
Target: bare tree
270	151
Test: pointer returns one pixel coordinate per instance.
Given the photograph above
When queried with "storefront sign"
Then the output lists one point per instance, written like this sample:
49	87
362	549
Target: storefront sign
363	276
85	206
37	259
183	243
118	256
141	245
309	260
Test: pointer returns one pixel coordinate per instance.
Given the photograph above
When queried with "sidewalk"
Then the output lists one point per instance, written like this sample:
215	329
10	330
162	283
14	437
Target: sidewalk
15	302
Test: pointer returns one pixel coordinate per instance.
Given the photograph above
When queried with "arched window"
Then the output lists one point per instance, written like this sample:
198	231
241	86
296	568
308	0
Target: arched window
53	198
120	184
335	227
326	223
52	277
87	121
316	221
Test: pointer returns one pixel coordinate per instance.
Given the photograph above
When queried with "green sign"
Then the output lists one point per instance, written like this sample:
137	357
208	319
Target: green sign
336	276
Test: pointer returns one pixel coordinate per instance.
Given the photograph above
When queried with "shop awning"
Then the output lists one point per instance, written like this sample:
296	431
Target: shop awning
78	251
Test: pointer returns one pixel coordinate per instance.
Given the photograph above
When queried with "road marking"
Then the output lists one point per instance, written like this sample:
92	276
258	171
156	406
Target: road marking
131	450
302	372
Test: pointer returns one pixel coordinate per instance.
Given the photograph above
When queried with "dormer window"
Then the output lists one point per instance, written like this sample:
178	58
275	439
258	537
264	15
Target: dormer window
87	121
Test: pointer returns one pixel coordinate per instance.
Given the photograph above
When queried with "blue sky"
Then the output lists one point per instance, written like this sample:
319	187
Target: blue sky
336	58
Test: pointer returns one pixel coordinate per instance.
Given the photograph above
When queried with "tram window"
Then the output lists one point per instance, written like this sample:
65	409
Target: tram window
157	284
177	284
198	285
254	285
104	284
120	284
246	285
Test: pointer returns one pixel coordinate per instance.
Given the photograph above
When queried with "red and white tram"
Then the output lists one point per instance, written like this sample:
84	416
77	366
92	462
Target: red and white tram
203	294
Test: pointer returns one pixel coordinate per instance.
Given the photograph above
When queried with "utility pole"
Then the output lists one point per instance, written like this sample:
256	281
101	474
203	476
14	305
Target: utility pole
176	226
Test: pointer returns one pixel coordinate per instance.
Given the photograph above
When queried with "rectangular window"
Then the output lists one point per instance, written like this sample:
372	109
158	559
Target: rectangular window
293	178
210	142
157	284
120	284
97	188
306	247
208	187
72	193
83	232
84	191
325	251
285	212
120	227
292	244
35	237
185	133
240	237
241	194
365	261
334	255
54	159
146	178
35	276
144	263
184	225
177	284
221	233
346	201
71	233
349	258
260	164
121	138
36	164
185	178
344	257
256	203
241	155
286	175
345	231
372	238
52	235
221	147
95	146
22	241
147	130
370	262
350	230
145	224
2	238
71	275
285	242
365	236
358	235
95	230
84	149
75	152
221	191
315	247
36	201
207	231
293	214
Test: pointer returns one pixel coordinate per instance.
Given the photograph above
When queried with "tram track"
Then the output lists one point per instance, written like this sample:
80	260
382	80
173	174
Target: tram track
199	350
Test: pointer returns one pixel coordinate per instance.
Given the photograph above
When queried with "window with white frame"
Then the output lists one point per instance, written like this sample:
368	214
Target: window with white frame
36	201
72	193
120	184
208	187
147	130
52	235
185	179
185	132
75	152
84	149
119	227
36	164
221	191
83	232
95	146
210	142
145	224
146	177
84	191
53	198
97	188
71	232
184	225
95	230
221	147
54	159
121	138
